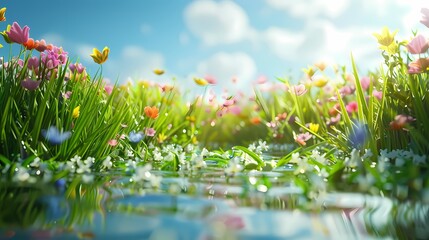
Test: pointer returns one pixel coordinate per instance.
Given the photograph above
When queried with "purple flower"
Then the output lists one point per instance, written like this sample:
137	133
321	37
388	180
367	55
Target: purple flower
299	89
150	132
33	63
76	67
54	136
17	34
135	137
30	84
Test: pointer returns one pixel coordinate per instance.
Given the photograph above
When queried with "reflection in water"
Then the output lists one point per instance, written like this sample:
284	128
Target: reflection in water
202	206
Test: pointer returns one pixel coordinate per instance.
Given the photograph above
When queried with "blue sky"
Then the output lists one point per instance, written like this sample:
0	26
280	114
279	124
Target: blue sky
222	38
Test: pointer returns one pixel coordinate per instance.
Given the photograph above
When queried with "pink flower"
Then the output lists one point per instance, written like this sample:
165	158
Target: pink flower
425	19
17	34
30	84
210	79
347	90
108	88
302	138
377	94
228	102
76	67
418	45
261	79
67	95
33	63
352	107
112	142
41	45
150	132
418	66
365	82
299	90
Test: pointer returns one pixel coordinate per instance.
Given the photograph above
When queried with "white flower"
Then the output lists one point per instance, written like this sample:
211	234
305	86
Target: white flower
295	158
198	162
35	163
354	159
142	173
234	166
107	163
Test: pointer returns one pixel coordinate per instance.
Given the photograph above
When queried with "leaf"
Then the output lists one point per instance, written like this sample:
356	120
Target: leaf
253	155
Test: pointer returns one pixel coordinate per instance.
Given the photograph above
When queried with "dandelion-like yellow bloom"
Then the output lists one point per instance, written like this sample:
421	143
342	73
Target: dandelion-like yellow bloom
161	137
76	112
2	13
100	57
314	127
201	81
385	38
158	71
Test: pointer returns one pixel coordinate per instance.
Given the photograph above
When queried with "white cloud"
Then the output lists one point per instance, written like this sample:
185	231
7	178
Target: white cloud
311	8
324	41
217	22
225	66
135	63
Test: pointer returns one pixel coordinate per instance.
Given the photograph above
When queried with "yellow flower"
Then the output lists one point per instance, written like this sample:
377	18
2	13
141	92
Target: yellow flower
391	49
321	66
76	112
100	57
385	38
161	137
158	71
2	12
309	71
201	81
314	127
320	82
4	34
1	46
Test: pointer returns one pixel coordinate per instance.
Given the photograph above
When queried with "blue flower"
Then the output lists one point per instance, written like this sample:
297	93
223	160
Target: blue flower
359	135
135	137
54	136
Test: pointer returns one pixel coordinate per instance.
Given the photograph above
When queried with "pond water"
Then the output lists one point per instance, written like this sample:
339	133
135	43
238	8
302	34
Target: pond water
204	205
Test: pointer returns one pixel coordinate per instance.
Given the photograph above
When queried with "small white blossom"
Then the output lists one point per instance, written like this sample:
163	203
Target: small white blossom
234	166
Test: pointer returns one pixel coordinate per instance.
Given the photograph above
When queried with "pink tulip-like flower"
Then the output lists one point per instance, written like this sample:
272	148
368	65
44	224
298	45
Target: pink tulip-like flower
228	102
365	82
377	94
261	79
41	45
77	67
418	66
299	90
210	79
352	107
33	63
418	45
150	132
30	84
112	142
425	19
17	34
108	88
